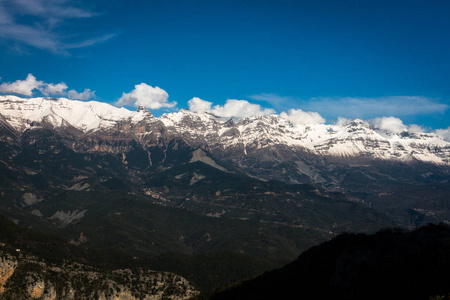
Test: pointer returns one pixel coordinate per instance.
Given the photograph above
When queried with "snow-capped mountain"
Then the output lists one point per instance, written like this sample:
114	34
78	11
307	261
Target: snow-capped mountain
23	113
92	145
354	139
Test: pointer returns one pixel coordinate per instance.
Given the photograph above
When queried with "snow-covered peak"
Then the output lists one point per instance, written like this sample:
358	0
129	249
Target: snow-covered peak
83	115
353	138
186	118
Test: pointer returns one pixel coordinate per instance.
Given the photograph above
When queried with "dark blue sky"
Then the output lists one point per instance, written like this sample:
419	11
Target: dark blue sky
309	55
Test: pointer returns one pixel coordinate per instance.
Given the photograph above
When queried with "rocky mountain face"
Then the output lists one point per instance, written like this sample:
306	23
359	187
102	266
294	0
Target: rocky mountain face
28	277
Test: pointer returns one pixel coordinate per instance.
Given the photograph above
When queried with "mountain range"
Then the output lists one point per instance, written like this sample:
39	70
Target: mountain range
168	189
355	138
369	165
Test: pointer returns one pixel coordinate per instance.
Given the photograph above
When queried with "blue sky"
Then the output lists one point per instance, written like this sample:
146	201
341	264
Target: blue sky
351	59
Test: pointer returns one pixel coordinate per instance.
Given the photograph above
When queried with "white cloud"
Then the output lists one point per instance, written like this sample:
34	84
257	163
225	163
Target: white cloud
394	125
146	95
443	133
240	109
389	124
30	85
198	105
298	116
51	20
54	89
85	95
22	87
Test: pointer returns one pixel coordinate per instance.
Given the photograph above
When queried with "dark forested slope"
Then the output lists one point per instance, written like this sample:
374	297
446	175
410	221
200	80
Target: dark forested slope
391	264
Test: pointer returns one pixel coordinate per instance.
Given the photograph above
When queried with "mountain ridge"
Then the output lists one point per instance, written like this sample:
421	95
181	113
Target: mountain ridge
353	139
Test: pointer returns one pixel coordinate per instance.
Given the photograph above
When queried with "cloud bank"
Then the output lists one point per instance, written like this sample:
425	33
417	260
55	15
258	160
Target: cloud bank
49	29
231	109
389	125
379	111
240	109
147	96
375	107
30	85
298	116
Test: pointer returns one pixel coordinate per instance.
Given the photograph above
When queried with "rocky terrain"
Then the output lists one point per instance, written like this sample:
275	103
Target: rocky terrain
25	277
64	271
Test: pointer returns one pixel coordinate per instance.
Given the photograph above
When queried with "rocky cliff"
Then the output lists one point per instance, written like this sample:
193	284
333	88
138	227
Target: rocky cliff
27	277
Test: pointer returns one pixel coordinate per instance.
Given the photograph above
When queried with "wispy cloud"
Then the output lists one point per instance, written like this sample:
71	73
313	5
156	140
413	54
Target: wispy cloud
375	107
31	85
273	99
42	24
359	107
58	9
90	42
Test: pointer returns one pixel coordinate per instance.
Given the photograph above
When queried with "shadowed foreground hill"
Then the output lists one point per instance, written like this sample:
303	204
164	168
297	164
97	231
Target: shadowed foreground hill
391	264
